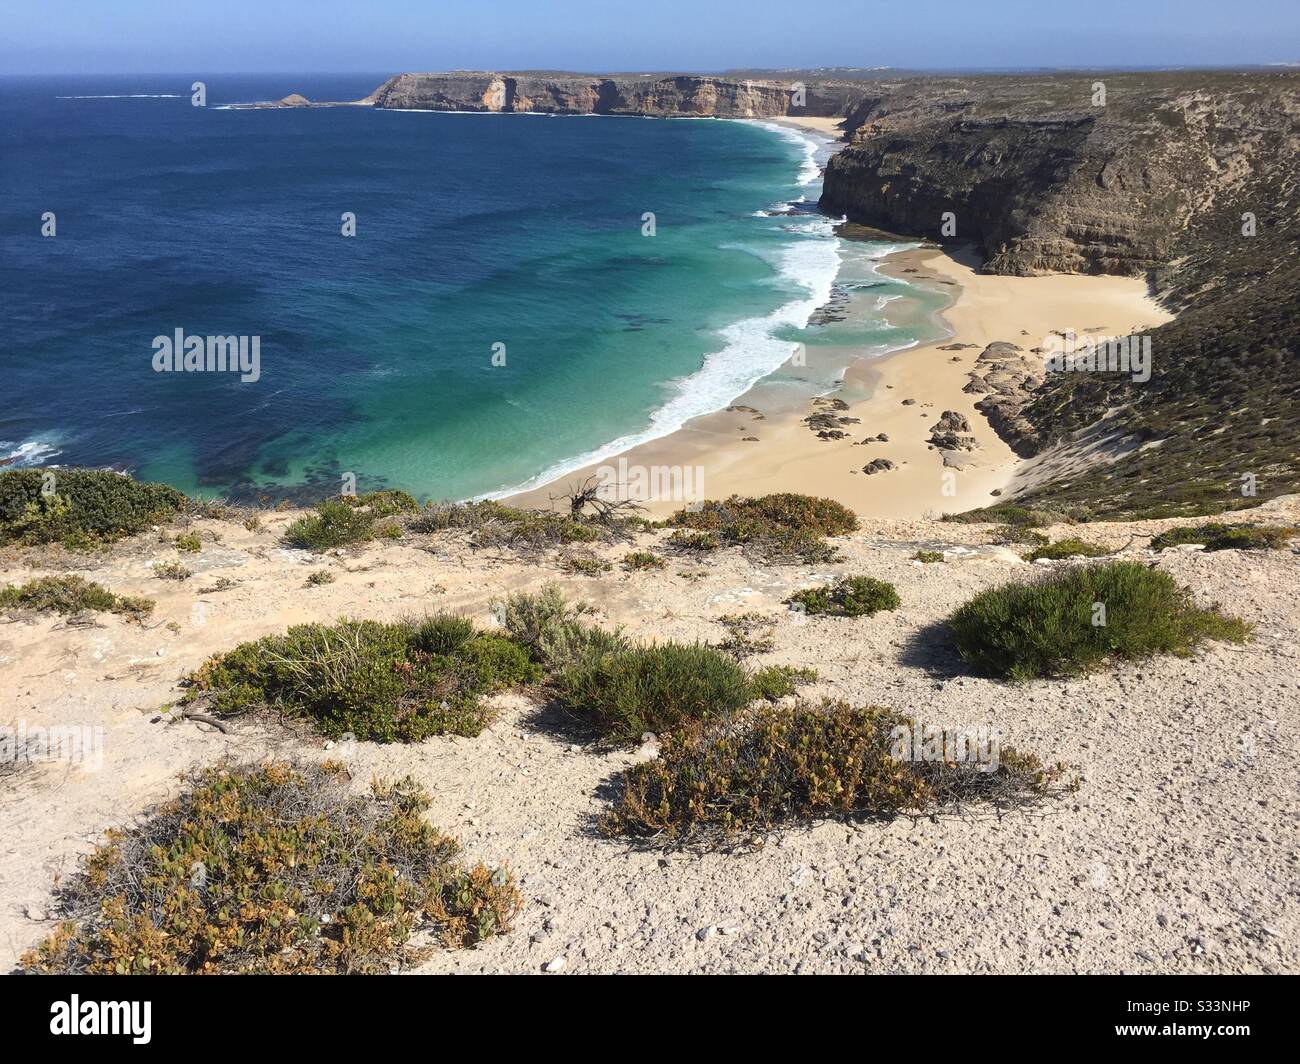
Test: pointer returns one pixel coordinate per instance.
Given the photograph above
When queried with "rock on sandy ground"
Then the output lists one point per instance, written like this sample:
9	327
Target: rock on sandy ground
1178	853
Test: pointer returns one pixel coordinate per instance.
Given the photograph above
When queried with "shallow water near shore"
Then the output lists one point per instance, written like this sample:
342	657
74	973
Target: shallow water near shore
377	351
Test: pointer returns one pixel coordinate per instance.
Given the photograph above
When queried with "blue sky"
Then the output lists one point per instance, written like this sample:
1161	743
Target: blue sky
165	36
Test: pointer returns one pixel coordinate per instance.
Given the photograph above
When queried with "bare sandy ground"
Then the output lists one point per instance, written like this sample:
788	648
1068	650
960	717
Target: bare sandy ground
1177	854
736	452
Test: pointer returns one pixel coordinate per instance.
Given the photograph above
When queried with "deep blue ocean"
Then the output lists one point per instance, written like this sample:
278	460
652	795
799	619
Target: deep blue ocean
475	235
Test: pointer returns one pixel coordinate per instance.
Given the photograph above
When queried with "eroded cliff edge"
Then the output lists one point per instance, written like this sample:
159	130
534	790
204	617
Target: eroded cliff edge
655	95
1188	178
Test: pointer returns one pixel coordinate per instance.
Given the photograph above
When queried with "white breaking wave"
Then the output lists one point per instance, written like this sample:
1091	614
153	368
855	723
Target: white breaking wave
811	169
30	453
750	352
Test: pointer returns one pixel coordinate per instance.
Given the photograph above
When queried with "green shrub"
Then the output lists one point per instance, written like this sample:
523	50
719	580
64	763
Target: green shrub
171	571
1067	548
584	565
778	765
1008	513
642	559
87	505
493	525
500	663
335	524
387	503
1004	535
854	596
188	542
779	527
550	629
696	542
379	682
72	594
277	869
1216	536
777	681
928	556
652	689
1046	628
319	578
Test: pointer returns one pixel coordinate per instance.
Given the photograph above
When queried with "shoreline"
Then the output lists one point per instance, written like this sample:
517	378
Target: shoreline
747	450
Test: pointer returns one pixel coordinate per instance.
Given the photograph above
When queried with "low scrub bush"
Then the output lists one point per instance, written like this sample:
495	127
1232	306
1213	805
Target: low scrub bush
188	542
387	503
86	506
1067	548
171	571
1073	621
551	630
642	559
72	594
398	682
1216	536
335	524
783	527
493	525
854	596
584	565
778	681
1005	535
1009	514
781	765
652	688
276	869
928	556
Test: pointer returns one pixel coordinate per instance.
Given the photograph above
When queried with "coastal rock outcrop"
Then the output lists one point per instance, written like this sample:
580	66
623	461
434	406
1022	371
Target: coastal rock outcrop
952	432
1007	376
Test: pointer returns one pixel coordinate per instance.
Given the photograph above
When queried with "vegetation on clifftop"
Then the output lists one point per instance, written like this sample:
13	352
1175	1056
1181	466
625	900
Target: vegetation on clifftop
275	869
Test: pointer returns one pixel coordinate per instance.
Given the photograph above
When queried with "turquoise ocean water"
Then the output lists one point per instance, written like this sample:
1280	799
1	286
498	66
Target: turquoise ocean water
475	235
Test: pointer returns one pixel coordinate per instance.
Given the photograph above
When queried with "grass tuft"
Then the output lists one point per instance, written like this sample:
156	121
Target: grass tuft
335	524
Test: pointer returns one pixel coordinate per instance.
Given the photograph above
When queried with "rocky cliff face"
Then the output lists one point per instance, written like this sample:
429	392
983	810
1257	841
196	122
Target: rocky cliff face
667	96
1188	178
1046	180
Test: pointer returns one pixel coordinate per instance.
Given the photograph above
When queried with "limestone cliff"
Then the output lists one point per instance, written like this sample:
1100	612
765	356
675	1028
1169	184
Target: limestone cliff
1186	177
1044	179
660	95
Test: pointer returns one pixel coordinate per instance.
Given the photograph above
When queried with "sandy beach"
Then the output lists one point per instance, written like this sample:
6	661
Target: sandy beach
747	450
830	126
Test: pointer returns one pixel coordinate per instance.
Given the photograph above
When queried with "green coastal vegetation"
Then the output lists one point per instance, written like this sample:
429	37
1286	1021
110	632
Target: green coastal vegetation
1076	620
275	869
72	594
